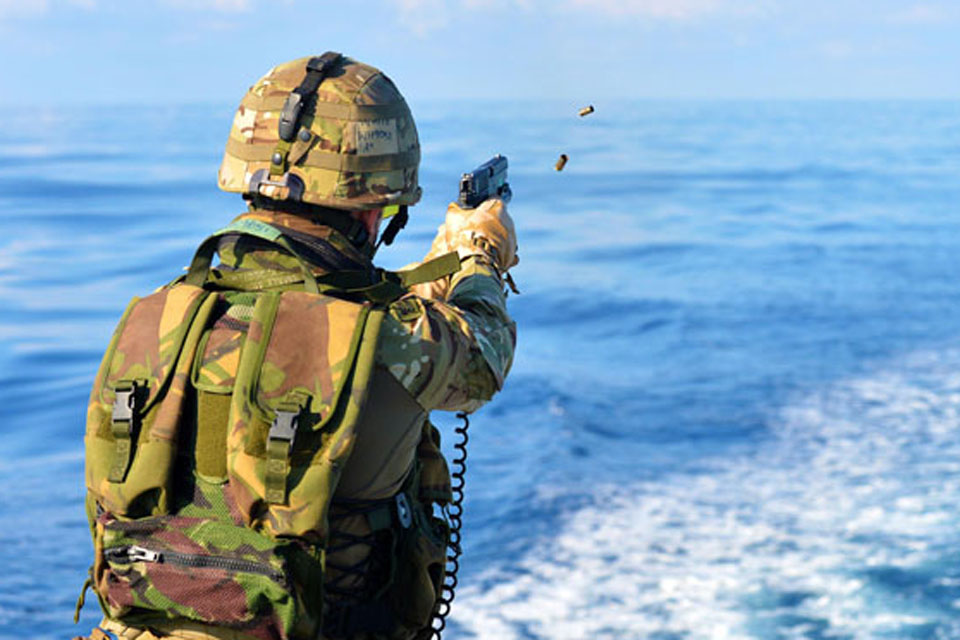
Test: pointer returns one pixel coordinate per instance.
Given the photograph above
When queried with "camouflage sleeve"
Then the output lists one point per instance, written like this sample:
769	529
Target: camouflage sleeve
452	352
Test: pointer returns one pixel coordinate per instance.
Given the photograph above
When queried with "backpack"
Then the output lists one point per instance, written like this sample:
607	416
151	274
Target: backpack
214	446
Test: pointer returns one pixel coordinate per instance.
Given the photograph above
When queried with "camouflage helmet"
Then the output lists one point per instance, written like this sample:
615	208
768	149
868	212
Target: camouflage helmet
324	130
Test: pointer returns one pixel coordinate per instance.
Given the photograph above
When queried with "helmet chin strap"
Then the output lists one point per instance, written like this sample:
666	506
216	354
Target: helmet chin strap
397	222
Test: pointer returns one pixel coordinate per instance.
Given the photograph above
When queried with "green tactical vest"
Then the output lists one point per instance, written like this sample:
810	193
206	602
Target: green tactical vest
215	440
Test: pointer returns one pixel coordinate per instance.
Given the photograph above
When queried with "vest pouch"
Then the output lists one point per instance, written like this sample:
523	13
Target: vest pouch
137	401
213	377
164	569
422	560
420	570
302	381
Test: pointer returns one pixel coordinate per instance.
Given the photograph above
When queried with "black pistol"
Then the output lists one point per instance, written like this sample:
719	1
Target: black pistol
489	180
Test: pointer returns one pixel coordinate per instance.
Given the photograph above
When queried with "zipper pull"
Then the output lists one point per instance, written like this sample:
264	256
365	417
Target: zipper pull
132	553
139	554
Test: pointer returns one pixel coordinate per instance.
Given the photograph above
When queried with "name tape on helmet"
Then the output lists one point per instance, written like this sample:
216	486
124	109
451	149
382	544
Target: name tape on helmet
377	137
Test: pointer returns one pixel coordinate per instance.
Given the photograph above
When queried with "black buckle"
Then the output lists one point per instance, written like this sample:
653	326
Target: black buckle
319	64
261	177
397	222
284	426
290	116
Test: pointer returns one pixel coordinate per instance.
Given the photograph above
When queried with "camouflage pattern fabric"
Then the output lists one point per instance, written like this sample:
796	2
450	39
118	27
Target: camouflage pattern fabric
199	569
341	341
449	349
164	553
151	353
357	148
163	550
451	352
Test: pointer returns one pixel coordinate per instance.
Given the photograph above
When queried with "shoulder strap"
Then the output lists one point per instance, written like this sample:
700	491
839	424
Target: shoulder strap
387	286
379	286
200	265
445	265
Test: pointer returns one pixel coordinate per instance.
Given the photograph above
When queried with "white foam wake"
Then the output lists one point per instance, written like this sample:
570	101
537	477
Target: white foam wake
777	543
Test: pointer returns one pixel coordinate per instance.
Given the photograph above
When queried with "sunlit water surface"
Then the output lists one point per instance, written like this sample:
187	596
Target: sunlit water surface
734	408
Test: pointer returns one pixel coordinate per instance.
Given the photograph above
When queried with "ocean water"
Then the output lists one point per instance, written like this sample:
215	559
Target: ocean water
735	405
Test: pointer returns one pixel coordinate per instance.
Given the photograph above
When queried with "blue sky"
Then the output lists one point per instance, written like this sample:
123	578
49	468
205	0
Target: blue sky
66	51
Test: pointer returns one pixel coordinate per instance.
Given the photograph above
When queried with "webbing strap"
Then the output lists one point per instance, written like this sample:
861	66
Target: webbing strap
322	159
200	265
293	107
254	280
377	286
391	284
445	265
125	412
283	431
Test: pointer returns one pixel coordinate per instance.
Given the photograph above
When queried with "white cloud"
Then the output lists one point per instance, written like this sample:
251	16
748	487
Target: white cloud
668	9
226	6
923	14
836	49
676	10
33	8
497	4
423	16
18	8
232	5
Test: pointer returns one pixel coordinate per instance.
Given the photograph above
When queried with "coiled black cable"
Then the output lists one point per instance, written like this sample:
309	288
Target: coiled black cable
454	513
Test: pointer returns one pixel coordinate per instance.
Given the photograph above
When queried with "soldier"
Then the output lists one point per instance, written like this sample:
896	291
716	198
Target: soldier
260	461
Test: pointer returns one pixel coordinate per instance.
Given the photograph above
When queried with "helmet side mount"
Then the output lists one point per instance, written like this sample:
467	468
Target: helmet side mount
317	69
288	186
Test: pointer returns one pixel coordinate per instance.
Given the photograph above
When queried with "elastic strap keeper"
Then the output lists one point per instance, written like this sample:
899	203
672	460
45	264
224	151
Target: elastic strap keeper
277	470
122	423
283	431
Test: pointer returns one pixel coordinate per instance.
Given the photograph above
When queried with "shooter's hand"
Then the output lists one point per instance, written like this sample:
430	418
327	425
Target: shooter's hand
486	231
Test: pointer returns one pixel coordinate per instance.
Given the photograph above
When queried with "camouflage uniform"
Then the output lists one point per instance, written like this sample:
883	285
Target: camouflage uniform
449	344
450	349
205	524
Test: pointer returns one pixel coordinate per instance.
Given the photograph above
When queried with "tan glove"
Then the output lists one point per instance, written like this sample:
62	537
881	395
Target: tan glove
487	230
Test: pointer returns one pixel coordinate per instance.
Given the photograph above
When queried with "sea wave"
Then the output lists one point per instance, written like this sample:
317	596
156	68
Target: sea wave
843	524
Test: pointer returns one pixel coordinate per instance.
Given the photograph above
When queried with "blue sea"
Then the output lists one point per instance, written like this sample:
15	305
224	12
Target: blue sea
735	407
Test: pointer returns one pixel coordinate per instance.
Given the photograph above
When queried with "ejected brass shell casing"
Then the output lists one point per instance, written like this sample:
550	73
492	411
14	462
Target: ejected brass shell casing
562	162
586	110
